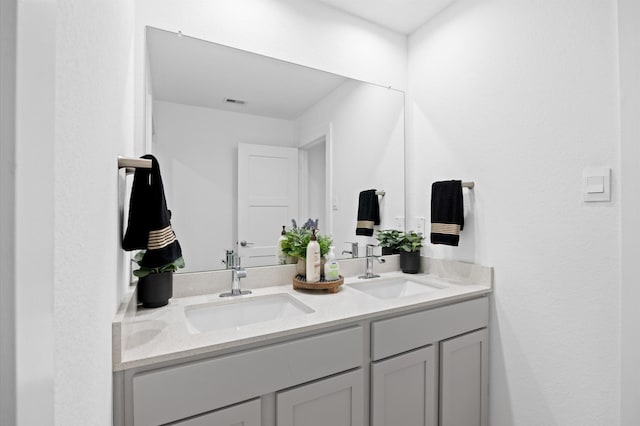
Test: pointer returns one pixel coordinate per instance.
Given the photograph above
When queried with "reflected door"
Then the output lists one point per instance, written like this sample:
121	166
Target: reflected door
267	199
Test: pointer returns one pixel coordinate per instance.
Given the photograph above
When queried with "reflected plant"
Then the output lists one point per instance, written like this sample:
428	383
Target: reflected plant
297	239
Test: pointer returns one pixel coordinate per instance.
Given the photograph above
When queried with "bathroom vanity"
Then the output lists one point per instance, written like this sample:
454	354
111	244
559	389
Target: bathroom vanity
396	350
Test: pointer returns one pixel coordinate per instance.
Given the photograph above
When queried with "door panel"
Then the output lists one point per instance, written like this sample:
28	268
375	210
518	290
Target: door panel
336	401
267	199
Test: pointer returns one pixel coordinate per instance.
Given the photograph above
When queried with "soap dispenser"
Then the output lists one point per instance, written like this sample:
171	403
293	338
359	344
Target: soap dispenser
313	259
331	268
281	258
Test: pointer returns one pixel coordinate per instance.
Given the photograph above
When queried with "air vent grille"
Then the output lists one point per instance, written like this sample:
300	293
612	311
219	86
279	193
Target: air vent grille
235	101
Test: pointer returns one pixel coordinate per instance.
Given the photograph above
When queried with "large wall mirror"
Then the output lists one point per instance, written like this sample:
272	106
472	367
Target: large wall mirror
247	142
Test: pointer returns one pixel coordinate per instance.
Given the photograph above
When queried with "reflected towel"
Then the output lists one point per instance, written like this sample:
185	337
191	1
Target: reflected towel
447	212
368	212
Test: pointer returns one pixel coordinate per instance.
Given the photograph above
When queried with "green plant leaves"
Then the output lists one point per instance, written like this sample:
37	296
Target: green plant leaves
297	239
143	271
397	240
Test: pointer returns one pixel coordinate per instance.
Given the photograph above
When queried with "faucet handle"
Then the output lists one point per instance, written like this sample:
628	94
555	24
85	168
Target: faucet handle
370	250
228	259
354	248
235	262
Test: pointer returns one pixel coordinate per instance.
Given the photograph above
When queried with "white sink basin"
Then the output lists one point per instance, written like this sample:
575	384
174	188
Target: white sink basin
394	288
236	314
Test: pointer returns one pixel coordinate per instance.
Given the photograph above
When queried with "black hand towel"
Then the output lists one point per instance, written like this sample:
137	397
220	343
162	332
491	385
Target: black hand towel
368	212
447	212
149	224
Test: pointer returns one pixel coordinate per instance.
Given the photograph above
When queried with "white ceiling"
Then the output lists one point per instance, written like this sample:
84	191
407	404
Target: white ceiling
403	16
190	71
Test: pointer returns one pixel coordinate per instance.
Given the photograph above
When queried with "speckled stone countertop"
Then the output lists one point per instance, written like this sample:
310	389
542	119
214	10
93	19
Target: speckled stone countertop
146	336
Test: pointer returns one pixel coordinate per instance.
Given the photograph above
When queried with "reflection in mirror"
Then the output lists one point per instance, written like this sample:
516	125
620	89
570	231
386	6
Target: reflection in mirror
246	143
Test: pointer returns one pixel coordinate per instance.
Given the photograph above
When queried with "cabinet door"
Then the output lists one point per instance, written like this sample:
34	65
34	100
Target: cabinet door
464	381
404	389
336	401
246	414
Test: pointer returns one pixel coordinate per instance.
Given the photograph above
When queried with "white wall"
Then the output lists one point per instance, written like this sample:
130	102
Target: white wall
367	133
74	116
520	96
94	123
198	152
34	210
629	39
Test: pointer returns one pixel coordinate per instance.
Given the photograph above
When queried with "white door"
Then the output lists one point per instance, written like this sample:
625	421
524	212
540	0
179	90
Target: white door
267	199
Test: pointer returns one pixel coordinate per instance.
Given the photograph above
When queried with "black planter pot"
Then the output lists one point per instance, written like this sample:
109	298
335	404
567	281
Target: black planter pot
410	262
155	290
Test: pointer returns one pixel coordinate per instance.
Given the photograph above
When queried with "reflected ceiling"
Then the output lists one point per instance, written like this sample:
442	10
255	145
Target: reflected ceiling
205	74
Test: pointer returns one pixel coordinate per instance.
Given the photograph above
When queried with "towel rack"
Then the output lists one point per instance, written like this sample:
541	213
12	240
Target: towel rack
133	163
469	185
381	193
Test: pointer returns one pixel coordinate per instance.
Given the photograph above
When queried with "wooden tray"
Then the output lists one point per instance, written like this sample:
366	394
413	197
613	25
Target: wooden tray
330	286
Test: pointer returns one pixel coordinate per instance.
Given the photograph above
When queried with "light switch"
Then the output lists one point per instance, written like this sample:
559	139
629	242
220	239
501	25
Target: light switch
596	184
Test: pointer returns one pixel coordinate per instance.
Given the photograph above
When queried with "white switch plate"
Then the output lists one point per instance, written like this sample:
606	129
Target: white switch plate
596	184
419	224
399	223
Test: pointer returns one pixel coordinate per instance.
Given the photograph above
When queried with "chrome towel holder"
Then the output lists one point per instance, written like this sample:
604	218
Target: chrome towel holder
130	164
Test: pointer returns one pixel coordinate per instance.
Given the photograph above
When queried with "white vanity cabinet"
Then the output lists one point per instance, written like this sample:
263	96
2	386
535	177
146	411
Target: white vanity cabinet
420	367
336	401
464	388
404	389
174	393
246	414
410	380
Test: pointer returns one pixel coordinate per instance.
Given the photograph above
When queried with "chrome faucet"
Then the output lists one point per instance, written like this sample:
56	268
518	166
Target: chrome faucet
228	259
237	272
354	250
369	272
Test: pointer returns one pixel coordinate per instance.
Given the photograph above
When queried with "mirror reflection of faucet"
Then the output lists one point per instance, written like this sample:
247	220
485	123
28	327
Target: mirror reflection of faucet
237	272
354	250
228	259
370	256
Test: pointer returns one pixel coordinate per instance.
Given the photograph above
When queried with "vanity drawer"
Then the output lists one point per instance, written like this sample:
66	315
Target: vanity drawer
400	334
175	393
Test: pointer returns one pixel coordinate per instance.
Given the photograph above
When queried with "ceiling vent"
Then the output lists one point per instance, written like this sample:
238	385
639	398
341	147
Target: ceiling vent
235	101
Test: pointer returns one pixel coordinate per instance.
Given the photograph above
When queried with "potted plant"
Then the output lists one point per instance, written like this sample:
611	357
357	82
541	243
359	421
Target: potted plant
388	239
409	244
155	285
296	241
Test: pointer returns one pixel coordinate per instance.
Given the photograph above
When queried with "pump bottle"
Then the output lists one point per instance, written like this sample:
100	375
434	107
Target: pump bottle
313	259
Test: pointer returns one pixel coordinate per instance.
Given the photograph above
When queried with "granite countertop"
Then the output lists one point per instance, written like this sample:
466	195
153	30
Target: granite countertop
146	336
